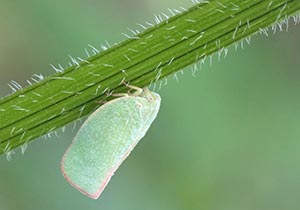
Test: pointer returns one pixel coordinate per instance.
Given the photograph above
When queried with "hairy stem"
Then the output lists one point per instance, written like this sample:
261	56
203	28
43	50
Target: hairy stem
144	58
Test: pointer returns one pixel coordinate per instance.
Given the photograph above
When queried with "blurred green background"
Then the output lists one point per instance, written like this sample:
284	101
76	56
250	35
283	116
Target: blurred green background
227	138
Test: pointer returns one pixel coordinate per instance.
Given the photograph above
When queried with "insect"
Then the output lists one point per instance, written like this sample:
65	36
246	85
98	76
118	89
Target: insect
106	138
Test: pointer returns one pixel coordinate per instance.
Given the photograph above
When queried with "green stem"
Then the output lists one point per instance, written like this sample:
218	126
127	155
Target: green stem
163	49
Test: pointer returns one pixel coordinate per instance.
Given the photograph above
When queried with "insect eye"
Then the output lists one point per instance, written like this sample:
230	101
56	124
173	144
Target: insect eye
139	105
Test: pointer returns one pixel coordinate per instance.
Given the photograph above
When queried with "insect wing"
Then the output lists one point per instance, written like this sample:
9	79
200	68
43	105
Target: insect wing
105	140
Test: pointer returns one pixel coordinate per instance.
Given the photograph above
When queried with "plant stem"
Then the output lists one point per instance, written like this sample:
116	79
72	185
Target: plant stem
142	59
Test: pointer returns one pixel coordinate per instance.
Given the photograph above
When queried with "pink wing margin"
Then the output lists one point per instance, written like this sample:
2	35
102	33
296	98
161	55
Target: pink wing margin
106	180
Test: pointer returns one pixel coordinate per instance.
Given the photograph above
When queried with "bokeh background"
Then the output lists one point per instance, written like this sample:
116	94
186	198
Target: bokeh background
227	138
